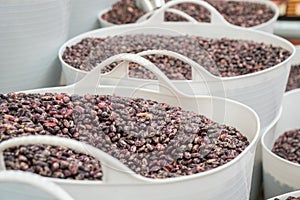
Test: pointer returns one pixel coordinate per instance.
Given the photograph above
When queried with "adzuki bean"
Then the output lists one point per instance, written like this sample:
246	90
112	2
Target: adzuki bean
153	139
222	57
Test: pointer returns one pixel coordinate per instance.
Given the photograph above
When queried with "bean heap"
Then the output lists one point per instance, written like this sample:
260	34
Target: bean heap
123	12
153	139
53	161
294	78
32	114
240	13
290	198
287	146
222	57
196	11
243	13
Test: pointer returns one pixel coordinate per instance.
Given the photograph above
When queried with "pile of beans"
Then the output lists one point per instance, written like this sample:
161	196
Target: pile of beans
123	12
153	139
196	11
287	146
222	57
294	78
23	115
240	13
243	13
53	161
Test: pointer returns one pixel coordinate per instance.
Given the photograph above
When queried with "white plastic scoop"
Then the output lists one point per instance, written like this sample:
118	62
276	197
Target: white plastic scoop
149	5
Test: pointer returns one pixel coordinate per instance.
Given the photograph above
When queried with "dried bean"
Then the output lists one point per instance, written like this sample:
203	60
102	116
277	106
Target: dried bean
222	57
154	139
240	13
243	13
123	12
198	12
287	146
53	161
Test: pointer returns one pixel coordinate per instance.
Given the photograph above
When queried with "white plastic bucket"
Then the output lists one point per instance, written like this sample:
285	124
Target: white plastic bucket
285	196
31	32
228	182
281	176
84	15
28	186
266	26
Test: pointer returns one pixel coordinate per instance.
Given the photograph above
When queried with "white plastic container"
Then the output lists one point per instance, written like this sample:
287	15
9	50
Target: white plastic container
266	26
281	176
229	182
28	186
31	32
84	15
285	196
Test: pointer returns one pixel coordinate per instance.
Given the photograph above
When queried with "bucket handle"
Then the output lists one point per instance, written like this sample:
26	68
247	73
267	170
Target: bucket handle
149	5
215	16
114	172
35	181
198	71
93	78
171	10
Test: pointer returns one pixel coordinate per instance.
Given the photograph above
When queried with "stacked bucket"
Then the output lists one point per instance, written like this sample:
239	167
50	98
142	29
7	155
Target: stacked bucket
259	94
